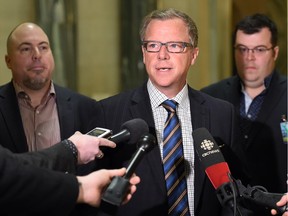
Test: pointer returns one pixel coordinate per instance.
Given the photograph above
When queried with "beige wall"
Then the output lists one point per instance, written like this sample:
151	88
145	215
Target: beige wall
98	63
98	47
11	14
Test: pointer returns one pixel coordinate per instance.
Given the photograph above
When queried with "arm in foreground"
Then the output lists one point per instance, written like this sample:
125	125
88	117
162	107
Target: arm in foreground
59	157
37	190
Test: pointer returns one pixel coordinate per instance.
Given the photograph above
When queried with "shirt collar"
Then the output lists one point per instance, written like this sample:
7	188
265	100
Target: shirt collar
157	97
21	93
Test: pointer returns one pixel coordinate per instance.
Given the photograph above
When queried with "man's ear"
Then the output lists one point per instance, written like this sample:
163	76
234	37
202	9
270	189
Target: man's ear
8	61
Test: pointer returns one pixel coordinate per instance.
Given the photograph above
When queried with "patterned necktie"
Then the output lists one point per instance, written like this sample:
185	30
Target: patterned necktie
173	160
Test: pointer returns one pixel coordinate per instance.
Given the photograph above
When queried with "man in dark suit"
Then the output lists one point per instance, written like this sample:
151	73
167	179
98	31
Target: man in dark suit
169	46
37	113
259	94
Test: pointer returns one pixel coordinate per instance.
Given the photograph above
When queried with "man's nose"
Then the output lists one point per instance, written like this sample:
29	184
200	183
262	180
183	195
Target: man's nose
163	52
250	54
36	54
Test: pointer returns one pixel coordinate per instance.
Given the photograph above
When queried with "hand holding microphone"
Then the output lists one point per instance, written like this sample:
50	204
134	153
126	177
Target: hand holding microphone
130	132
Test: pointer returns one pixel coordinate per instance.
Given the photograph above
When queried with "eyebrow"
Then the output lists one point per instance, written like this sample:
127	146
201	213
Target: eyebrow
262	45
30	44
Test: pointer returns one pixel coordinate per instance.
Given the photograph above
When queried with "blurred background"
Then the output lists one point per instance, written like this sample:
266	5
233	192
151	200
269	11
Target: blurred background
96	43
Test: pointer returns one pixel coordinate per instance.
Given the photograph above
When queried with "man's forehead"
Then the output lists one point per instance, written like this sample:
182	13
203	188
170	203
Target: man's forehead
261	37
29	34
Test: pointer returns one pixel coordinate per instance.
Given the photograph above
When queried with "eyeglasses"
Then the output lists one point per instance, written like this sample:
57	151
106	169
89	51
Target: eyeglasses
172	46
259	50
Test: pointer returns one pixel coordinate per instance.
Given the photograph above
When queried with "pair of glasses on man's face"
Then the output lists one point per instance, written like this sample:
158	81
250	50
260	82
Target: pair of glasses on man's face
172	46
259	50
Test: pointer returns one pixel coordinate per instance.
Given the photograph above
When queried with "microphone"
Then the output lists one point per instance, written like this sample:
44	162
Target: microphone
145	144
219	174
211	158
131	131
214	163
118	188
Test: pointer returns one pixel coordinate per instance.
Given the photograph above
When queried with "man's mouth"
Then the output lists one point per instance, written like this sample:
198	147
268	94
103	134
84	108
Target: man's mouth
163	68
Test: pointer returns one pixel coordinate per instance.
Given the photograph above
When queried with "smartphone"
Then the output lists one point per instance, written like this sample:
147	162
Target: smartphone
100	132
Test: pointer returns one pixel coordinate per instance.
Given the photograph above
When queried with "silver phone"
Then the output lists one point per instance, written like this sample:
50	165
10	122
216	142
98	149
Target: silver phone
100	132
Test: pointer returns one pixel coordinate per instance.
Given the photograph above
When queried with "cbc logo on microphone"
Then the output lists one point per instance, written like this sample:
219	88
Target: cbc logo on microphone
207	145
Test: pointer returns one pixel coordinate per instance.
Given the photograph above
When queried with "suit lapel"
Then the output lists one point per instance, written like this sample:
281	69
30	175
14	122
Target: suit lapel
200	118
232	92
274	95
12	118
65	112
141	108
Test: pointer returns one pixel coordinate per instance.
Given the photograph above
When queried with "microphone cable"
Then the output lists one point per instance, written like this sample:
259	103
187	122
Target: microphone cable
236	211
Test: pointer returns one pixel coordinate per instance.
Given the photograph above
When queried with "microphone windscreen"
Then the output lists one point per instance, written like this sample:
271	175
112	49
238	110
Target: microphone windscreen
206	148
136	127
211	157
147	142
218	174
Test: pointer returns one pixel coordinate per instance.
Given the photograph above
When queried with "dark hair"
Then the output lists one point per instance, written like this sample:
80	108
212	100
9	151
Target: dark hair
167	14
254	23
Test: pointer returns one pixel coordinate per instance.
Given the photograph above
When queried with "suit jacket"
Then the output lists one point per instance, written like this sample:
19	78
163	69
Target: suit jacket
57	157
150	198
33	190
264	152
74	111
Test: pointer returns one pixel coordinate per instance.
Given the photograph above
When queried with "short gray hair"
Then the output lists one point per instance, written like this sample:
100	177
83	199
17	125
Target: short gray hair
167	14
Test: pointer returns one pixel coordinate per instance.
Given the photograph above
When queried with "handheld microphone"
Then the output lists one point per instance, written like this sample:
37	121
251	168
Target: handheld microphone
131	131
219	174
118	188
145	144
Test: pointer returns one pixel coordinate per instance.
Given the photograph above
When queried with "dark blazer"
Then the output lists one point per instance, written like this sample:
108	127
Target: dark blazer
33	190
74	111
57	157
264	152
150	198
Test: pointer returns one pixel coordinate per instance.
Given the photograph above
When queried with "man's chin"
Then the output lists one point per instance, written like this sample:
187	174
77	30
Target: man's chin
36	84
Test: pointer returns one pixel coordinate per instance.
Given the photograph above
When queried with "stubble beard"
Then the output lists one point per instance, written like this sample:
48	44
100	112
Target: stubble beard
35	84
